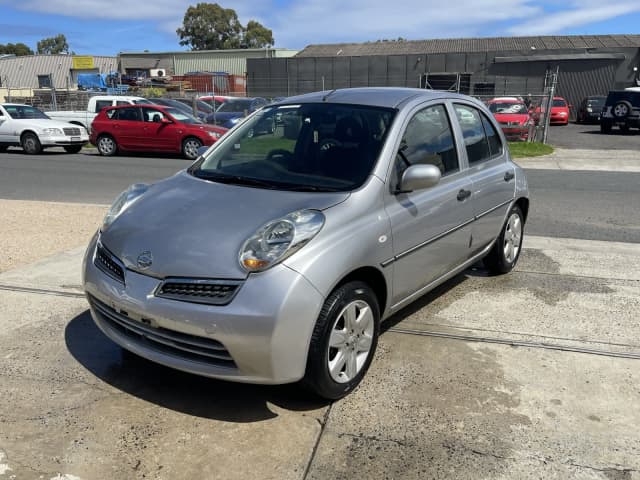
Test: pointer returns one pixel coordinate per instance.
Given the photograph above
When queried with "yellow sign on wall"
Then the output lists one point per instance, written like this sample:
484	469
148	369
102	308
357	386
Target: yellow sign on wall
82	62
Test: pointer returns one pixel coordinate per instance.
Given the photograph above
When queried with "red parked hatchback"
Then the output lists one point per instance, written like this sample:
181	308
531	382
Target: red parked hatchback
151	128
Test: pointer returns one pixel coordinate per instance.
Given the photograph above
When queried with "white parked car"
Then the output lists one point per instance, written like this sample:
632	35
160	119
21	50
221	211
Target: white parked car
27	127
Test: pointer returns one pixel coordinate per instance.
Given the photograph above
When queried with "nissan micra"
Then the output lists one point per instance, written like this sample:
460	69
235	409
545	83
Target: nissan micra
274	257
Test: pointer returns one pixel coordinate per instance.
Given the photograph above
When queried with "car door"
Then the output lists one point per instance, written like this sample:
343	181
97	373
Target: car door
5	127
158	134
491	174
430	227
129	128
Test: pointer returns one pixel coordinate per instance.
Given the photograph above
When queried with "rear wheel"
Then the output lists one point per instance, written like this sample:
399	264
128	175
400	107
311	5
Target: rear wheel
190	148
506	251
621	109
31	144
106	145
73	148
344	341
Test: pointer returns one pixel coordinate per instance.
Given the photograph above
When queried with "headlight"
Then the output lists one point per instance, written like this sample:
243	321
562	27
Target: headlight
589	109
122	202
280	238
215	135
52	131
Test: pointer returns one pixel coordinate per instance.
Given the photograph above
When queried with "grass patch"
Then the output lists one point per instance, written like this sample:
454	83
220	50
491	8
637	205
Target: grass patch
526	149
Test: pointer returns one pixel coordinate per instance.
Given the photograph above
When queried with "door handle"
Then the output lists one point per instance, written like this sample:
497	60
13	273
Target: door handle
508	176
463	194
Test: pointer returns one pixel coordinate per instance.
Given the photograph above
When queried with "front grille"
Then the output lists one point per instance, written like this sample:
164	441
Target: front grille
73	131
182	345
210	292
108	263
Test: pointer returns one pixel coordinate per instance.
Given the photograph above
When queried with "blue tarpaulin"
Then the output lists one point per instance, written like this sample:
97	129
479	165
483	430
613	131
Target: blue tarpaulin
92	81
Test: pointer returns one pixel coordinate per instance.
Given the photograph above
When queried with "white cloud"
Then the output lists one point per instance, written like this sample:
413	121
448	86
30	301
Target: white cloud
576	15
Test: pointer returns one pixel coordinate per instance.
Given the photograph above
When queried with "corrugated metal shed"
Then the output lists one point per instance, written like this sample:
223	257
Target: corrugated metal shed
469	45
22	72
182	62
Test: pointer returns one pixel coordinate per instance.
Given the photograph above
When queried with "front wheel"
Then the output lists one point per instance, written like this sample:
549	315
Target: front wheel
73	148
190	147
31	144
344	341
506	251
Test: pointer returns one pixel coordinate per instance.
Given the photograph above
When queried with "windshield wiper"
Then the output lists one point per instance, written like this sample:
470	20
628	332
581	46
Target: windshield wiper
234	179
309	188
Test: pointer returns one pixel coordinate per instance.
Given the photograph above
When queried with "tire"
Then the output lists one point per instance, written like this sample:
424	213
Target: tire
605	128
190	148
506	251
106	145
621	109
30	144
345	337
73	148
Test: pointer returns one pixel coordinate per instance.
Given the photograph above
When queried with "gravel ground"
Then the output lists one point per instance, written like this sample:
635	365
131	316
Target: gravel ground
45	228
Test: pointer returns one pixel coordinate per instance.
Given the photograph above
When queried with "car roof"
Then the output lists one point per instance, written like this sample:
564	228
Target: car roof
506	100
390	97
138	105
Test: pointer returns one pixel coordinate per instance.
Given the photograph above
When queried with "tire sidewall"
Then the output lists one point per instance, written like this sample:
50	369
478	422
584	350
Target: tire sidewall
37	147
506	264
318	377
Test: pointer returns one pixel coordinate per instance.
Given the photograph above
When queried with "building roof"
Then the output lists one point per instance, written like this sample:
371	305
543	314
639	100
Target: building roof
468	45
23	71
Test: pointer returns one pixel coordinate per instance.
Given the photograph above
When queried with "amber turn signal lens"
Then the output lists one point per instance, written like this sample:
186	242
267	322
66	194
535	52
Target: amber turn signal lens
254	263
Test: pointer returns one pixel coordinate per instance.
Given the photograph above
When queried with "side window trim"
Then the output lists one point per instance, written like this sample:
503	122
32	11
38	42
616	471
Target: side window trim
460	134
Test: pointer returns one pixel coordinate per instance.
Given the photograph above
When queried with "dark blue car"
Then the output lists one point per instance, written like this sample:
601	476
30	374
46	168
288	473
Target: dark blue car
234	109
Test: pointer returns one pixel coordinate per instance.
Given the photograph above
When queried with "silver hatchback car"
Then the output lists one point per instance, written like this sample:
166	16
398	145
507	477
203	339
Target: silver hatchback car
274	257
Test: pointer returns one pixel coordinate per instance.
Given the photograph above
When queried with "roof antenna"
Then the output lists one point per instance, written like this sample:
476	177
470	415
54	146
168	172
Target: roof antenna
324	99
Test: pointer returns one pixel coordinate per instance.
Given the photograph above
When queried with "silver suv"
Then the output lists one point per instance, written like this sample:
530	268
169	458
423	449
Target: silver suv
276	255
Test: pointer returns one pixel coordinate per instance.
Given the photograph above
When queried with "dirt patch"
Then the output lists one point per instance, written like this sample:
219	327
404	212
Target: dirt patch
35	230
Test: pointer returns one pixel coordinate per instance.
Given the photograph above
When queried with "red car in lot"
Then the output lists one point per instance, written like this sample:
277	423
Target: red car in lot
559	112
151	128
513	116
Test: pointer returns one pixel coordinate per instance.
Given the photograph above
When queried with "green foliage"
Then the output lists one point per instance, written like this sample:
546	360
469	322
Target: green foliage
208	26
152	92
526	149
257	36
17	49
53	45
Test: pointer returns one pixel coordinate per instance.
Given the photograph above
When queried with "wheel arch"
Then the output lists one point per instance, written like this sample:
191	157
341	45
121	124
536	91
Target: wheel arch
28	130
372	277
523	203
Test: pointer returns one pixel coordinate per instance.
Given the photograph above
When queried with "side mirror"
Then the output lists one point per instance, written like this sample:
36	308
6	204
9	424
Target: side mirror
418	177
165	120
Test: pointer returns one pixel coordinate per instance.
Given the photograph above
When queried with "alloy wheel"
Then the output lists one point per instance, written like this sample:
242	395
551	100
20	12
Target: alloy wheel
512	237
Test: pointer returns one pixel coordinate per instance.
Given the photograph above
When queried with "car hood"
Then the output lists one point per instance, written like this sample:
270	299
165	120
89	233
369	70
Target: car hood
195	228
44	123
511	117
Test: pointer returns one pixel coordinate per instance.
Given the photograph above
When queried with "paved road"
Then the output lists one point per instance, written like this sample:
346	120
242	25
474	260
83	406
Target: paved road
589	136
583	205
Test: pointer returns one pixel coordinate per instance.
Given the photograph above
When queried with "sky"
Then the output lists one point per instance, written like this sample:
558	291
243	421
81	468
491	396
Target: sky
106	27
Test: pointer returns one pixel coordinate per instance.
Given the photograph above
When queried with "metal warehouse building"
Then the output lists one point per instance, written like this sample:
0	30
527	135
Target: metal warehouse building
587	65
21	75
152	64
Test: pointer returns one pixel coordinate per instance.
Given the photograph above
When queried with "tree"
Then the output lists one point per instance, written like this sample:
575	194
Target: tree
18	49
257	36
208	26
53	45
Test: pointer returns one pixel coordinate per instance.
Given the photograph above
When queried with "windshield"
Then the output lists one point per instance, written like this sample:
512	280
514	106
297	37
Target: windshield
309	147
20	112
559	103
508	107
235	105
596	101
142	101
182	116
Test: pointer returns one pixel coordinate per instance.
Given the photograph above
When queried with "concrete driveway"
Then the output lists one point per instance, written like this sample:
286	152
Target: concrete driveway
529	375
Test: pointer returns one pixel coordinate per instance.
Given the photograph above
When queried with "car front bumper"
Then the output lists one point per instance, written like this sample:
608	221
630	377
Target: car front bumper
63	140
265	330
